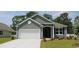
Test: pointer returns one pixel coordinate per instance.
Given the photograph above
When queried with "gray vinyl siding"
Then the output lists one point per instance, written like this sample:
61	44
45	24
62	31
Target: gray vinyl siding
29	26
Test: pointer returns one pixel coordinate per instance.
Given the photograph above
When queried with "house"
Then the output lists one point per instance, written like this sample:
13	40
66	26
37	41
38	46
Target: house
5	31
38	26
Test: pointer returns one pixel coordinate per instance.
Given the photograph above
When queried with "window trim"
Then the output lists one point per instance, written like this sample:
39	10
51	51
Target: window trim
59	31
1	33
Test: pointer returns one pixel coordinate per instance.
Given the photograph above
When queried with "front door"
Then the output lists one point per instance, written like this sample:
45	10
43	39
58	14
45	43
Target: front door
47	32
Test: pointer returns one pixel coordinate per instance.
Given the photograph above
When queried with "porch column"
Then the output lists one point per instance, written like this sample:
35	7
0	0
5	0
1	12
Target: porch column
65	31
53	32
41	33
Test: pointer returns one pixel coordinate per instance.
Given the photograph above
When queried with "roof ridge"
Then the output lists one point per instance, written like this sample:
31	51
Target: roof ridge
25	20
44	17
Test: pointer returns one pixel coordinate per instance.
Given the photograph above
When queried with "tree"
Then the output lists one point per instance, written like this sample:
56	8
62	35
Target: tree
31	13
76	25
48	16
17	19
58	20
64	19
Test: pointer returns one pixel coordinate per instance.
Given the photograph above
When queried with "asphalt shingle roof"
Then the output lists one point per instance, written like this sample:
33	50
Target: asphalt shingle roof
57	25
5	27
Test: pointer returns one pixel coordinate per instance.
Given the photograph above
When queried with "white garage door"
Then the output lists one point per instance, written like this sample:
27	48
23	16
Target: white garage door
29	33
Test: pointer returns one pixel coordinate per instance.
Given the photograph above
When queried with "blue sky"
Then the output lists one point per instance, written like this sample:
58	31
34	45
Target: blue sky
6	16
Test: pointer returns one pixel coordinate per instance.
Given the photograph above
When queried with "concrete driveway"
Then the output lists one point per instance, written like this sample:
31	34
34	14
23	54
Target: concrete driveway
22	43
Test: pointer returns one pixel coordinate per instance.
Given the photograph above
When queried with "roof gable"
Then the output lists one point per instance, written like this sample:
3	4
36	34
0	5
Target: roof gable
43	18
30	24
31	20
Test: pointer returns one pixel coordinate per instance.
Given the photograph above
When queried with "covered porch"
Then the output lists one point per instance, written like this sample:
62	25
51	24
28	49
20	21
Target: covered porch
52	31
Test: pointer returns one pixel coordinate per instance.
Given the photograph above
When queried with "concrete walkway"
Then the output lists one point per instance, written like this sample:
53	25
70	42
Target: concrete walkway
22	43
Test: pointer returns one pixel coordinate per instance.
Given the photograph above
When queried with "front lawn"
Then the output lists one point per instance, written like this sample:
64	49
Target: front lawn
3	40
59	44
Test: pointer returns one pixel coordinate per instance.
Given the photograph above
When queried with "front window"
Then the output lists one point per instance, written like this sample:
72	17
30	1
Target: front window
1	32
56	31
59	31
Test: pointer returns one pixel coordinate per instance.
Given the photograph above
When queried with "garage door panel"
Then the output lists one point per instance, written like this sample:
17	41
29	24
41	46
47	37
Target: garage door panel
29	34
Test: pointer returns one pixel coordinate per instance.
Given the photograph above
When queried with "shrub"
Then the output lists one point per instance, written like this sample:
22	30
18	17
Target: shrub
12	37
52	39
70	37
75	38
60	38
44	39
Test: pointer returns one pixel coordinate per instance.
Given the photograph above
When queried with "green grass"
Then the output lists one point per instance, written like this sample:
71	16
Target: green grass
58	44
3	40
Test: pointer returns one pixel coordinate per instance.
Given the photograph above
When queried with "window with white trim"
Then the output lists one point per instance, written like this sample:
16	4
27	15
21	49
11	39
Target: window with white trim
56	31
59	31
1	32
